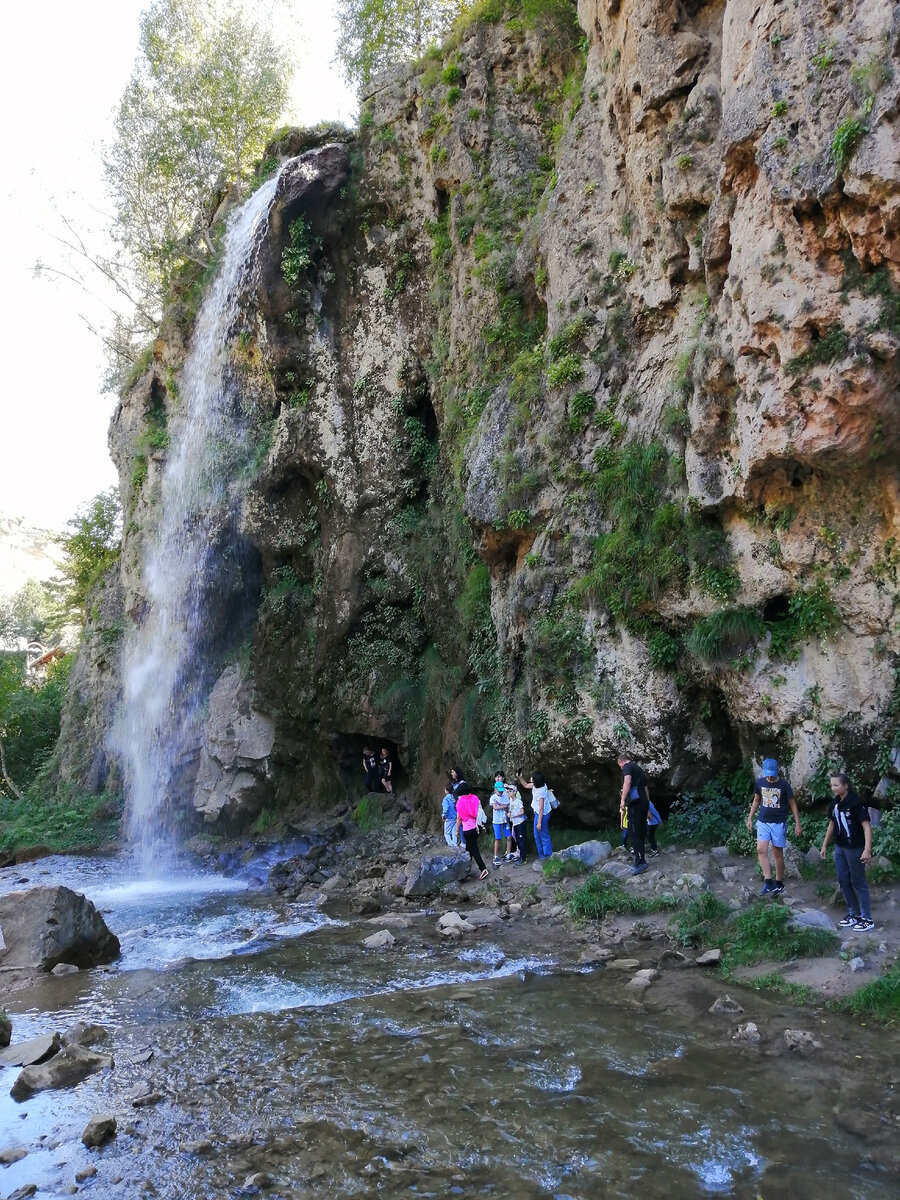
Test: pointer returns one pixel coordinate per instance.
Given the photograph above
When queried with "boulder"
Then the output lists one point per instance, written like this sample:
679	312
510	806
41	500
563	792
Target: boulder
451	924
709	958
35	1050
726	1005
641	980
49	925
800	1039
426	876
12	1155
65	969
812	918
623	964
589	853
233	769
98	1130
478	918
813	857
83	1033
23	1192
383	940
70	1066
746	1033
5	1029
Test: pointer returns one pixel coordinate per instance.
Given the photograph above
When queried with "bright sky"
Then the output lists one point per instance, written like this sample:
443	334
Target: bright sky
63	67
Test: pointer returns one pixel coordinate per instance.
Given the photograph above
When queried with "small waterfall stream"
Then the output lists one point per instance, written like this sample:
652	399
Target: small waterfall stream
193	570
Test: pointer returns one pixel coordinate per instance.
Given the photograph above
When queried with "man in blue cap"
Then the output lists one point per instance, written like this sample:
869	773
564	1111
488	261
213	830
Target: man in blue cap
773	797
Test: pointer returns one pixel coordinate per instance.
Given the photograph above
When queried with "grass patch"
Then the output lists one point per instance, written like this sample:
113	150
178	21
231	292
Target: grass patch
68	822
878	1000
564	868
761	934
799	993
701	920
369	814
602	894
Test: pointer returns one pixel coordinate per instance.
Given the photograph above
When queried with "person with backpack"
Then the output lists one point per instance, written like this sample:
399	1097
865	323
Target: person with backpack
773	796
541	805
850	827
519	824
635	800
500	819
467	813
654	820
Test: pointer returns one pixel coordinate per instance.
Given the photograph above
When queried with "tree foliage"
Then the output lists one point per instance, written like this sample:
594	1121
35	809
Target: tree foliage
375	34
89	550
29	613
208	85
29	721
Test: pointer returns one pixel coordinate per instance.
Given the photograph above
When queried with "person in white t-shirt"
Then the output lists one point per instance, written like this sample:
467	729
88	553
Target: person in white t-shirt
540	804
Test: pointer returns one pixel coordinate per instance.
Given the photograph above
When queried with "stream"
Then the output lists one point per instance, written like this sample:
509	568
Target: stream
494	1067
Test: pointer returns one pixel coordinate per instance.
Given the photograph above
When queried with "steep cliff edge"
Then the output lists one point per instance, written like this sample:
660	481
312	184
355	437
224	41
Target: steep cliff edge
573	378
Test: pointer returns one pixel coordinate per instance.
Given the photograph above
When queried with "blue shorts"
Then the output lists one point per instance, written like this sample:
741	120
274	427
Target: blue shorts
501	830
774	832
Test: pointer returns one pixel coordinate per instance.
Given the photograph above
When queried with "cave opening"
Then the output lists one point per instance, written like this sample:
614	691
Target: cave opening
776	608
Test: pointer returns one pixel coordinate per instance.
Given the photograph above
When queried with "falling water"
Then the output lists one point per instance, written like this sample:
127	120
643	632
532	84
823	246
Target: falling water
193	569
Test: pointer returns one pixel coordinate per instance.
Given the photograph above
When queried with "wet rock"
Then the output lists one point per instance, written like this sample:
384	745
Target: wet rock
259	1179
383	940
23	1192
85	1173
64	969
68	1067
673	960
146	1099
479	918
589	853
857	964
452	925
35	1050
725	1004
141	1056
49	925
98	1130
746	1033
230	779
596	954
800	1039
394	920
623	964
709	958
641	980
5	1029
200	1147
83	1033
812	918
12	1155
426	876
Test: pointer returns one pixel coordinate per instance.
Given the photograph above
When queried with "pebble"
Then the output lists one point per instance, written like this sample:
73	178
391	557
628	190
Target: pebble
85	1173
725	1004
746	1033
857	964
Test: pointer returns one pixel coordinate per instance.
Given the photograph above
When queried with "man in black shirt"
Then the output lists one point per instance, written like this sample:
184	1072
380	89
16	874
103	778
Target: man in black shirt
851	828
636	796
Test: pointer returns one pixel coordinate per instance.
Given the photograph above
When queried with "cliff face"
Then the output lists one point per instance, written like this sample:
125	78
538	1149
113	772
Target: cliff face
575	401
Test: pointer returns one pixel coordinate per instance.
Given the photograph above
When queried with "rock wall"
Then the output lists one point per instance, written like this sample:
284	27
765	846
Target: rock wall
576	418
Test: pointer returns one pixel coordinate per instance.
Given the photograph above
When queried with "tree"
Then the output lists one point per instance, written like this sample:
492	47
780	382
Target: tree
208	85
29	613
29	721
89	550
375	34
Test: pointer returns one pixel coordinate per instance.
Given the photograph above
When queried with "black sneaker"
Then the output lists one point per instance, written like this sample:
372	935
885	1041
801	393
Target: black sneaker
767	888
653	853
640	869
847	922
864	925
777	888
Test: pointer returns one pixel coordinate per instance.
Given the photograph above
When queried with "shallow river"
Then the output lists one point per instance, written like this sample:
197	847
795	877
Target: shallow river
492	1068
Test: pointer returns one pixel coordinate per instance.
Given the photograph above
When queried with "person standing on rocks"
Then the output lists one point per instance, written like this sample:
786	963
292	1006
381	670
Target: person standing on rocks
467	822
519	825
370	766
850	827
635	800
540	804
385	767
500	818
448	814
773	797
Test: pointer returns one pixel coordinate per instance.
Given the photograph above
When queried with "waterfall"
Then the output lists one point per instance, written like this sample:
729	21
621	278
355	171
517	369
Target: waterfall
193	570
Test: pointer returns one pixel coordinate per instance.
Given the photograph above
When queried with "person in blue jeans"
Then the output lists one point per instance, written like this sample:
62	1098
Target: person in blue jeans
540	804
850	827
448	815
773	797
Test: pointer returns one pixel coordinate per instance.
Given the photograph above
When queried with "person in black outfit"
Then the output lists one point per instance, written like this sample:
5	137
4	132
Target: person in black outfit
850	826
637	798
385	767
370	766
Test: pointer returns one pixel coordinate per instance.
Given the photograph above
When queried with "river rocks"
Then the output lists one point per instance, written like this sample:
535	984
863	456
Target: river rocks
623	964
69	1066
383	940
36	1050
49	925
201	1147
452	925
589	853
725	1005
641	980
857	964
12	1155
85	1173
5	1029
146	1098
479	918
98	1130
23	1192
746	1033
812	918
800	1039
426	876
83	1033
64	969
709	958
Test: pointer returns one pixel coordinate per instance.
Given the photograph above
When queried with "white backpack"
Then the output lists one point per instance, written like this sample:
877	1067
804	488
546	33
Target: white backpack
552	800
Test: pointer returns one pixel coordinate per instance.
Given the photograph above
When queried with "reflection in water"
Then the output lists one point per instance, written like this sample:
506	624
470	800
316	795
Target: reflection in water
429	1070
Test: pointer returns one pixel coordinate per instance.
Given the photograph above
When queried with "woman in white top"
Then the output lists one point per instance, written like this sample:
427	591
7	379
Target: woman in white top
540	803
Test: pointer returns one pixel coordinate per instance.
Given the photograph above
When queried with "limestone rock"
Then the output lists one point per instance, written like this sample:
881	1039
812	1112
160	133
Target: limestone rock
12	1155
48	925
233	767
857	964
383	940
709	958
801	1039
812	918
85	1173
641	980
64	969
451	924
426	876
35	1050
5	1029
746	1033
68	1067
98	1130
23	1192
623	964
813	857
589	853
479	918
84	1033
730	874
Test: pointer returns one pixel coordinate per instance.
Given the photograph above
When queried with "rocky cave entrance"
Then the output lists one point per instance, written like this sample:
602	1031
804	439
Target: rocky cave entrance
347	749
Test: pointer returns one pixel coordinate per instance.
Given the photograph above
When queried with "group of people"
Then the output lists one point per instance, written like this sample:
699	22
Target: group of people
378	770
464	817
849	827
